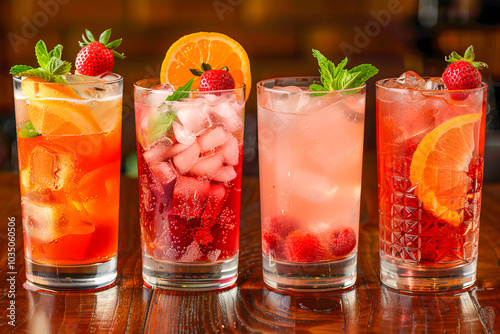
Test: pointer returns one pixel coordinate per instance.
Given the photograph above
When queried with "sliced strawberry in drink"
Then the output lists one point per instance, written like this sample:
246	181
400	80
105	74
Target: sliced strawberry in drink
342	243
189	196
186	159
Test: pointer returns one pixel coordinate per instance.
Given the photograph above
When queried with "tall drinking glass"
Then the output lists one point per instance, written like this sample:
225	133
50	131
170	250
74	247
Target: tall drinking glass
430	149
190	158
310	156
69	137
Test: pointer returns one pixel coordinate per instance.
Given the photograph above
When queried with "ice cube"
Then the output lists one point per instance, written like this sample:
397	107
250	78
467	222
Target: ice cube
213	255
213	206
163	172
230	151
213	139
51	168
193	115
312	186
214	99
224	174
44	222
158	94
189	196
224	109
288	99
353	116
163	152
80	78
192	253
186	159
410	79
207	166
313	104
435	83
182	134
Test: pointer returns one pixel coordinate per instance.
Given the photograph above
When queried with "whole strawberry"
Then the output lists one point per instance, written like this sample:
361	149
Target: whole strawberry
342	242
97	57
214	79
302	246
462	73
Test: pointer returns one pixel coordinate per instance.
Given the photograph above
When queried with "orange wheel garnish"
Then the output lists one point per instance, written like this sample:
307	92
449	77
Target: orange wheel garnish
217	50
439	167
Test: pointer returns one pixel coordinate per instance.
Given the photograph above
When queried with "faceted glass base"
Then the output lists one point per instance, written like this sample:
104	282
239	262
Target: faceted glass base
77	277
418	279
310	277
189	276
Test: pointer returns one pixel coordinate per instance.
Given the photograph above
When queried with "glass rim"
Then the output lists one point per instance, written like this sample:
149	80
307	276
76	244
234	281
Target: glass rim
378	85
260	84
110	82
137	86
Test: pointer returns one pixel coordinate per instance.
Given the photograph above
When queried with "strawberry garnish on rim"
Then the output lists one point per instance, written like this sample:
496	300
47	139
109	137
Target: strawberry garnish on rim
97	57
213	79
462	73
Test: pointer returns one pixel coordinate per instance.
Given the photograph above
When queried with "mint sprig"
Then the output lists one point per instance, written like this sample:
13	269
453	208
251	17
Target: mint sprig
51	69
160	125
28	131
335	78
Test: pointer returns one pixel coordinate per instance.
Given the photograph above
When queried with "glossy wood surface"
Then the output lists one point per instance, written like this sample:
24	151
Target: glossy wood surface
249	306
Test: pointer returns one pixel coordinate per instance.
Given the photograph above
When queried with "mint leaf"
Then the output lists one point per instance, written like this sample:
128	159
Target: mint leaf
338	77
16	69
28	131
181	92
41	53
58	67
40	73
51	69
56	51
160	125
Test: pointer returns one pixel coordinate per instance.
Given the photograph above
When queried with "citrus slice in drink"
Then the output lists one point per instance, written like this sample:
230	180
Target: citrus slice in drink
215	49
37	87
439	167
61	117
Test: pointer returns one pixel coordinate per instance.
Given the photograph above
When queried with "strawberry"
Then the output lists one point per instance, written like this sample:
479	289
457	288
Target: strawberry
462	73
342	242
304	247
214	79
97	57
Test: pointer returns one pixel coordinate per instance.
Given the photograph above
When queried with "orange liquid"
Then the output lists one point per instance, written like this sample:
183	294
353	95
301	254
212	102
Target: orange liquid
70	192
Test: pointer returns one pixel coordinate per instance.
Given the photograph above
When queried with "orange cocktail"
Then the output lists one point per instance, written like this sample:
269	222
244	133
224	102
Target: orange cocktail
69	163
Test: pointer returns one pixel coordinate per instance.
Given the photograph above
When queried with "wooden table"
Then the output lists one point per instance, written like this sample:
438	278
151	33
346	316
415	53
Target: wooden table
250	306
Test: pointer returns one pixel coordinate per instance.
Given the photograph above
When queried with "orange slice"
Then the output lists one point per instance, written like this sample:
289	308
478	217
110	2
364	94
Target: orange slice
37	87
61	117
212	48
439	167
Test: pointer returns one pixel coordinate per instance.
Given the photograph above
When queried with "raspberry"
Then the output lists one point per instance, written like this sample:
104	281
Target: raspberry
272	245
279	225
342	242
304	247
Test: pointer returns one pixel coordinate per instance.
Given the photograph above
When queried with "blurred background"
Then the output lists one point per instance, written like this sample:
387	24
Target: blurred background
393	35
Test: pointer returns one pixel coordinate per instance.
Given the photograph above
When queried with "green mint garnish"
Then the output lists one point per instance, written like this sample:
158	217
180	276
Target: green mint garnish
161	124
28	131
51	69
181	92
338	78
